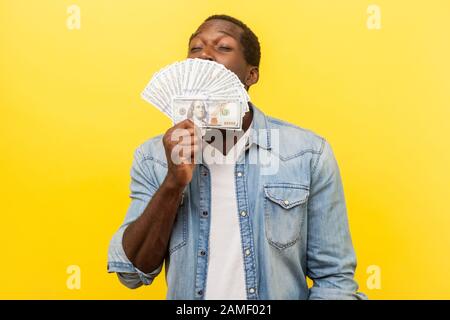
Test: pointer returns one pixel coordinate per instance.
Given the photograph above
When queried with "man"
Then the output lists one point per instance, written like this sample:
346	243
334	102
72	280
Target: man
228	229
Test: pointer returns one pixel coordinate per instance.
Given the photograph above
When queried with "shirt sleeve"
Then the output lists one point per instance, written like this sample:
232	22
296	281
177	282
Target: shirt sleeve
142	187
331	260
136	279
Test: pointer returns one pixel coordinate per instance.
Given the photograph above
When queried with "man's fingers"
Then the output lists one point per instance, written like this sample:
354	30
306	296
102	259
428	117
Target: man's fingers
186	150
186	138
195	148
189	141
191	131
191	149
189	154
185	124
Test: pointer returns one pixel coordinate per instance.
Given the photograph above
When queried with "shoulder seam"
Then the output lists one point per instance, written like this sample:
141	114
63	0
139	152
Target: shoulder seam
281	122
322	146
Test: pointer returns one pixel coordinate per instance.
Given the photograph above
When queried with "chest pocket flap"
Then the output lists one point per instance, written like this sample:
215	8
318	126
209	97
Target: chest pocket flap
287	195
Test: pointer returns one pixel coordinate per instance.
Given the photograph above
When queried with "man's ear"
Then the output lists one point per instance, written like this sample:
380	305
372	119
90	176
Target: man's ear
252	76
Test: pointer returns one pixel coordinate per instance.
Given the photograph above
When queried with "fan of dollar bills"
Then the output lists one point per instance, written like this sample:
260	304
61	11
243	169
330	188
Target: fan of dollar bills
204	91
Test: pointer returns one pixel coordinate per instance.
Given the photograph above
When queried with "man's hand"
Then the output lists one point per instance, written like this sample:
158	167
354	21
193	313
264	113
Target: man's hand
182	144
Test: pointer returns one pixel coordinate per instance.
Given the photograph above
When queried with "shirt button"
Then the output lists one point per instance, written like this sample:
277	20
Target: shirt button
286	202
247	252
251	290
200	292
202	252
205	213
239	174
243	213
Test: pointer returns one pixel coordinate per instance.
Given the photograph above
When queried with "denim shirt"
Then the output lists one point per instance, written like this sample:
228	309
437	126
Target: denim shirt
292	215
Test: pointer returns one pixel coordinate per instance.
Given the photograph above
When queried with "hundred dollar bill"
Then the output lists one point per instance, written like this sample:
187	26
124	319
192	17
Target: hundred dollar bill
221	113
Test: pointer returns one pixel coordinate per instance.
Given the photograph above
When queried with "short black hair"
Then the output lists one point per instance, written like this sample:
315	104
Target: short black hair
249	41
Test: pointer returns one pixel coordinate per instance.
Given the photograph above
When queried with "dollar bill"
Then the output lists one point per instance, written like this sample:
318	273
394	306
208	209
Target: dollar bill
221	113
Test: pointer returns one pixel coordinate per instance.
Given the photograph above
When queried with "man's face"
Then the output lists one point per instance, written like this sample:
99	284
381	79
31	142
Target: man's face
219	41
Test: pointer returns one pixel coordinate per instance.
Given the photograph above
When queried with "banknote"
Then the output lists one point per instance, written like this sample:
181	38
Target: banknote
193	77
222	113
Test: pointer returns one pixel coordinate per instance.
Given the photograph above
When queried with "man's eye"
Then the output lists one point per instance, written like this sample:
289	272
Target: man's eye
195	49
224	48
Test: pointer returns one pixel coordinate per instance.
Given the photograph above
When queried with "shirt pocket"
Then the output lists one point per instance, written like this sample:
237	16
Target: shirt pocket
178	238
285	207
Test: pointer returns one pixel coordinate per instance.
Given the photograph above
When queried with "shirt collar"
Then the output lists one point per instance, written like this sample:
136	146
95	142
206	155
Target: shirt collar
260	134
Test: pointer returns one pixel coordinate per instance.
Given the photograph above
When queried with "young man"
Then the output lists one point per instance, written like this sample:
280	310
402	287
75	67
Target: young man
231	230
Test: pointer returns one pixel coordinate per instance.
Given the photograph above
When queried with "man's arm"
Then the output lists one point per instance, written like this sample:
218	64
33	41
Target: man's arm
138	249
331	260
145	240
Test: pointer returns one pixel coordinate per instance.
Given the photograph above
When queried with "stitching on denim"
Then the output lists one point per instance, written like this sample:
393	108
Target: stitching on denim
286	186
151	158
280	246
298	154
184	226
269	145
240	230
209	230
247	206
322	145
251	231
283	123
280	201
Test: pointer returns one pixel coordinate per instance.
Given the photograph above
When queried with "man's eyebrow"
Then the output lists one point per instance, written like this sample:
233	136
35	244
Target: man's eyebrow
228	34
221	31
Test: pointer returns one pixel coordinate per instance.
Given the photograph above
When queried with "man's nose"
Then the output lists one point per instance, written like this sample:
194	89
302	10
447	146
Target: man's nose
206	55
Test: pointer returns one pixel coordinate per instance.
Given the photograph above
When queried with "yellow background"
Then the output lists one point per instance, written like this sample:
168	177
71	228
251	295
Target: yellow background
71	117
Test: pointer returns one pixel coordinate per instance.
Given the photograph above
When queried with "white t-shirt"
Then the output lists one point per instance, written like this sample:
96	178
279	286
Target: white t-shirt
225	275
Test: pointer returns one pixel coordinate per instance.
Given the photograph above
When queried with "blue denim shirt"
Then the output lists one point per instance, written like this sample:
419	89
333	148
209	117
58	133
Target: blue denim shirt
291	211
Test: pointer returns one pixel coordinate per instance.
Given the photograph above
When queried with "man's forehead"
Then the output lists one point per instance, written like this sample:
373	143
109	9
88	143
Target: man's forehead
220	26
